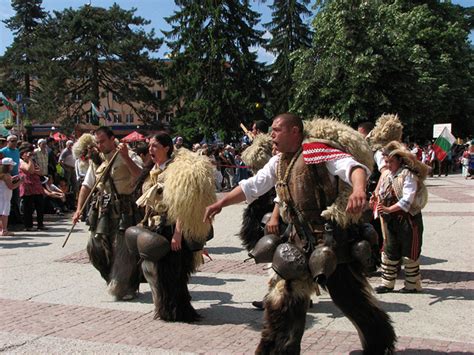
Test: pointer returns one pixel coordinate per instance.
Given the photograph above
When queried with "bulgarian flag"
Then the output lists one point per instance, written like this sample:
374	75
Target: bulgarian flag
443	144
8	104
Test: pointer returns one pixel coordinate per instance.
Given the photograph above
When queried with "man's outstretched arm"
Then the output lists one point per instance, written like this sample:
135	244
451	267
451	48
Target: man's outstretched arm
233	197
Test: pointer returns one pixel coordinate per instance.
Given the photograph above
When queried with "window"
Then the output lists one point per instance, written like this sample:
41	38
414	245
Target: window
129	117
158	94
156	117
77	97
117	118
77	119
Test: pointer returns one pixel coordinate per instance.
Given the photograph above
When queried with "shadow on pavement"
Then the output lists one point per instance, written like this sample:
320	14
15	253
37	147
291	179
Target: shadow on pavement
223	250
446	276
218	314
22	245
449	294
328	307
212	281
427	260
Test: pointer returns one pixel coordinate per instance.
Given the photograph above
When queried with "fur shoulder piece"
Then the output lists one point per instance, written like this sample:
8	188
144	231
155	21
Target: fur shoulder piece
340	136
343	137
258	153
409	159
84	141
387	128
189	189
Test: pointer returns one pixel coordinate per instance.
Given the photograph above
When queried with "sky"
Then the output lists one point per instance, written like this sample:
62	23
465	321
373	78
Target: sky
153	10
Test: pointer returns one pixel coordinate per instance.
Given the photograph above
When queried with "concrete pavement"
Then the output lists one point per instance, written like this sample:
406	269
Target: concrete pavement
53	301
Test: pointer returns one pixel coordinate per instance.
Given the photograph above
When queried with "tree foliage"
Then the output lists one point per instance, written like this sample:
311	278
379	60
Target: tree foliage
19	60
288	34
88	53
369	57
213	78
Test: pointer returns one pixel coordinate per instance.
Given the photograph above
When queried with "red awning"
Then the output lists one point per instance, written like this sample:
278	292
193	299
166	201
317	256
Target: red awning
133	137
58	136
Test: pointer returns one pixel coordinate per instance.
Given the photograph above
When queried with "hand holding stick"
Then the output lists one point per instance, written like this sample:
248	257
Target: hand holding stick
97	182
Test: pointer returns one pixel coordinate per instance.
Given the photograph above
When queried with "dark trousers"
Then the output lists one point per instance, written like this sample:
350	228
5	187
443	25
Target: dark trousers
31	203
15	215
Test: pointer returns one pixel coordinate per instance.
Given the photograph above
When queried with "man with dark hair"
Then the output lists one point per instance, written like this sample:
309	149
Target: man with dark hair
112	210
323	243
365	127
259	126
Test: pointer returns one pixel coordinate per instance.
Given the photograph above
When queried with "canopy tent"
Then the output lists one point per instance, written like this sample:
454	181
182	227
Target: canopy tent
58	136
133	137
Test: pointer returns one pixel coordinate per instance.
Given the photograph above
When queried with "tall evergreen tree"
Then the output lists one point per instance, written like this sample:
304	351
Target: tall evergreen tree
93	52
408	57
288	34
213	78
19	61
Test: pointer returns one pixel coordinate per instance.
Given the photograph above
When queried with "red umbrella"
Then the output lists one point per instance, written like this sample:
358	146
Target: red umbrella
60	137
133	137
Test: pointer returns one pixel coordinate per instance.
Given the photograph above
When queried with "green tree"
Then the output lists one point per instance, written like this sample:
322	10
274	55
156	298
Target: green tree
288	34
19	61
93	52
213	78
369	57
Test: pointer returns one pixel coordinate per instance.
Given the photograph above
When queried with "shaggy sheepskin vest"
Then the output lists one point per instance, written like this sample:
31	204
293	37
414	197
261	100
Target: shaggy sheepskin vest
311	188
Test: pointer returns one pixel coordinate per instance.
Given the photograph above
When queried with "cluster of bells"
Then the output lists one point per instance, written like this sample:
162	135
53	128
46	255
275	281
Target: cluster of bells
291	263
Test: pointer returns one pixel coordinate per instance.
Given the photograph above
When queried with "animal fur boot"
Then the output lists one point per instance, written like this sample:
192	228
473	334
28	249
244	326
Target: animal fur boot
284	318
352	294
168	279
125	272
99	249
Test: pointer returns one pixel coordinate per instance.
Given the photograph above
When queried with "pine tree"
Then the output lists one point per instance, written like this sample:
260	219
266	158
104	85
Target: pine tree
91	53
288	34
213	77
19	60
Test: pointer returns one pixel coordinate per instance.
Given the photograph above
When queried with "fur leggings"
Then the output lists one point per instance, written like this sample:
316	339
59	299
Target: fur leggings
168	279
287	302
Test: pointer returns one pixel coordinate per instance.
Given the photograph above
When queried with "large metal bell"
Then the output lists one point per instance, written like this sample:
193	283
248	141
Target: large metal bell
362	252
265	248
322	263
368	232
103	224
289	262
152	246
131	235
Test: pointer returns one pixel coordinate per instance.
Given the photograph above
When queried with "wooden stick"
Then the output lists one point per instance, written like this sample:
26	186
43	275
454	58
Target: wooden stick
99	180
247	132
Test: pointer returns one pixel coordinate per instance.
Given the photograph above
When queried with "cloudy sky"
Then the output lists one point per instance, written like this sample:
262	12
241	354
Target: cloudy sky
154	10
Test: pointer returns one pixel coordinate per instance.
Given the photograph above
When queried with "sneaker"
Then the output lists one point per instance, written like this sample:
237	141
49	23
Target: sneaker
383	289
259	305
408	290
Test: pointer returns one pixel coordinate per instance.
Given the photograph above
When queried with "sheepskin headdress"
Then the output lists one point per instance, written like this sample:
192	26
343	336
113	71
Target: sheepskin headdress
188	189
84	141
259	153
395	148
387	128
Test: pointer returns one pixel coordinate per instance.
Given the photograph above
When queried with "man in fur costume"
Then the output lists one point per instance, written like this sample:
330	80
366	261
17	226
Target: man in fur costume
111	213
176	188
320	178
401	194
256	156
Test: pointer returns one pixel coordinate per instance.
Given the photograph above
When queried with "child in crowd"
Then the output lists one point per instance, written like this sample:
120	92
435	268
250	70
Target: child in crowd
7	184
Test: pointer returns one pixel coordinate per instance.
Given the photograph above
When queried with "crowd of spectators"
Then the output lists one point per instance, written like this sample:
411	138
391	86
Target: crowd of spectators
45	177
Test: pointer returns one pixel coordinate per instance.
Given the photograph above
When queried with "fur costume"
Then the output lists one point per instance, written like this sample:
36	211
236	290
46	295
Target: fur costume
256	156
110	213
85	141
258	153
183	190
287	300
340	136
387	128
